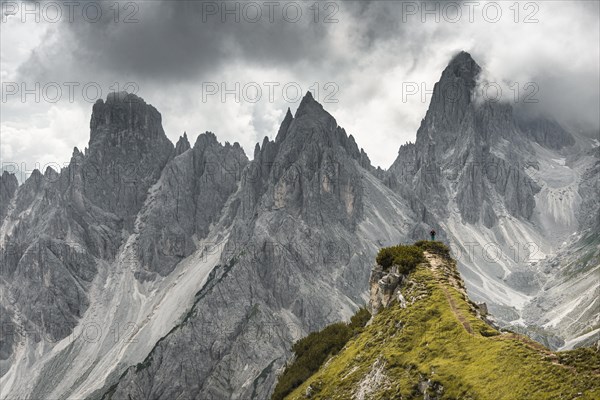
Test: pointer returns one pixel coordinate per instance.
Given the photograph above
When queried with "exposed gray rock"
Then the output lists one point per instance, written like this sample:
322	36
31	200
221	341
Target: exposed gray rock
8	187
46	267
384	287
572	273
8	338
429	389
452	154
128	149
588	214
64	222
193	190
525	280
182	145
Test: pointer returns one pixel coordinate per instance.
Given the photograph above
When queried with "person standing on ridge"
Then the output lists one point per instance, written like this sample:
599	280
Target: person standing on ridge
432	233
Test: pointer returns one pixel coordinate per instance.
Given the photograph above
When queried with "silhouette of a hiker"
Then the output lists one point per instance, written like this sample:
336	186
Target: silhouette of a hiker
432	233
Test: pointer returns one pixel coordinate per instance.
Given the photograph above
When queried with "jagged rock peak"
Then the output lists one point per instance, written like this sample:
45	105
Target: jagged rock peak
205	140
123	97
285	124
265	142
182	145
77	158
50	173
463	65
235	145
34	179
312	128
256	150
406	145
126	139
126	112
462	57
452	97
8	175
209	139
8	186
288	114
458	79
310	123
309	106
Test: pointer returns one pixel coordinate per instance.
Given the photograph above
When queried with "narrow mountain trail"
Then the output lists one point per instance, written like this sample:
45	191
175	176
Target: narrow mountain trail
436	266
461	318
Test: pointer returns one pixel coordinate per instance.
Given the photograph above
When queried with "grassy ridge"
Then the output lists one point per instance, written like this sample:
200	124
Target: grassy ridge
438	344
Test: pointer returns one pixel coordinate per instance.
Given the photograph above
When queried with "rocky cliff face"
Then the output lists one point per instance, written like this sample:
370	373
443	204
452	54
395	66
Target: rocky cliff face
191	196
545	132
47	259
384	288
61	226
9	185
128	149
573	268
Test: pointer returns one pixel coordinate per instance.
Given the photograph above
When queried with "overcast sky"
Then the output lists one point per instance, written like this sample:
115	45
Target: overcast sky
360	59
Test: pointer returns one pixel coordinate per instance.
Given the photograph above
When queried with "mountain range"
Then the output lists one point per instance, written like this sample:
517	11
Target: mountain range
147	269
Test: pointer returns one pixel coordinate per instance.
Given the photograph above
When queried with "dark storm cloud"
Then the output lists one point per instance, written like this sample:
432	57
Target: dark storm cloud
178	40
573	100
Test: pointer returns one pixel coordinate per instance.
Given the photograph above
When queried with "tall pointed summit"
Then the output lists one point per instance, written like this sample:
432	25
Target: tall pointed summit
451	99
